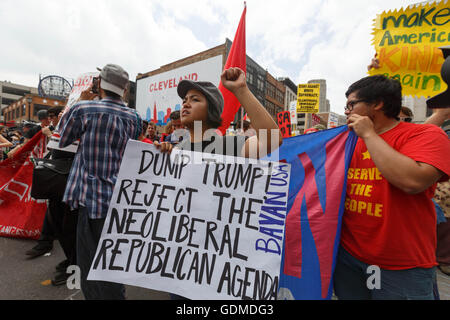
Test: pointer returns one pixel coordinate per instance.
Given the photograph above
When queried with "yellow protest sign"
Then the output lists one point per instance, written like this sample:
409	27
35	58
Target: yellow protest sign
308	98
407	43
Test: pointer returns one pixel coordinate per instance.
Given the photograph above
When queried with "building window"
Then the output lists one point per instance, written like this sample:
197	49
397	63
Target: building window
250	77
280	96
24	110
17	112
271	108
15	91
260	83
270	91
8	101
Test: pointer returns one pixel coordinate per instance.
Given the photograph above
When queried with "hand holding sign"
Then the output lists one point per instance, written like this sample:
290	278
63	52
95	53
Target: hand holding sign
163	146
374	64
211	229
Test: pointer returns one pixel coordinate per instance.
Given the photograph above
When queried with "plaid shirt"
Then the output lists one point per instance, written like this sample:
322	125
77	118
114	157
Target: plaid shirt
104	128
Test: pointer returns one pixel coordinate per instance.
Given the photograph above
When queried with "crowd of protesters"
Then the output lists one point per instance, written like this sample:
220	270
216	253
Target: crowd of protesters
403	245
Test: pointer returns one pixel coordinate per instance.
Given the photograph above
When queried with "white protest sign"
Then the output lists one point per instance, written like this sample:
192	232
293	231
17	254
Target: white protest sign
333	120
81	83
198	225
157	97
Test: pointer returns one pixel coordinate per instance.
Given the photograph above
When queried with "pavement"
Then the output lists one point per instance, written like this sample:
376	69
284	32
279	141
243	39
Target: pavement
30	279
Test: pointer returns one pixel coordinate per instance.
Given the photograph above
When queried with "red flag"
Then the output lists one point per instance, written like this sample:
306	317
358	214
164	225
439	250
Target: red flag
284	123
20	215
236	58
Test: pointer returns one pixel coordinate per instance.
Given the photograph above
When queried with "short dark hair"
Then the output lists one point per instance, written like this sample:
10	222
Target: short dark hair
112	95
55	111
212	120
42	114
407	111
379	88
144	126
175	115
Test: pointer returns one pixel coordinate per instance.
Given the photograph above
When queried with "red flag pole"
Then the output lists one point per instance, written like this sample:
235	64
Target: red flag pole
236	58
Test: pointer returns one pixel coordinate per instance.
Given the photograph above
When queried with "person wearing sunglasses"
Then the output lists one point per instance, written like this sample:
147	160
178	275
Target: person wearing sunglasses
389	220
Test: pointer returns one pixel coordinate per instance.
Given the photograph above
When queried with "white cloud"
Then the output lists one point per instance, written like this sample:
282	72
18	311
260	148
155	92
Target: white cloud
342	57
301	39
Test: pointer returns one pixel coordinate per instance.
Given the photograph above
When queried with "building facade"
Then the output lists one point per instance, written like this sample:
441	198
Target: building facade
275	95
156	90
12	92
256	80
290	92
324	106
27	107
418	107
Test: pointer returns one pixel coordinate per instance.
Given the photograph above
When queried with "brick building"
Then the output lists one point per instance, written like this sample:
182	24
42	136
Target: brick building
10	93
26	108
267	89
275	91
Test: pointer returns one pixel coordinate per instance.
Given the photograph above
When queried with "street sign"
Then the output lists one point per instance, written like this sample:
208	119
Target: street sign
54	87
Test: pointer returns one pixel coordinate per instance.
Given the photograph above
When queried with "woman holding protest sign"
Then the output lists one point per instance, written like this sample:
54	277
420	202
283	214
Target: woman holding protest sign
201	112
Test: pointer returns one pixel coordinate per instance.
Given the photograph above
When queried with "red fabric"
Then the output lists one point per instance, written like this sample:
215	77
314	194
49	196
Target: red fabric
147	140
20	215
383	225
312	130
236	58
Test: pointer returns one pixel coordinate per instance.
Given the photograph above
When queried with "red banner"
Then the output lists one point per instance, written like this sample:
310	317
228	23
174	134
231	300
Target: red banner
20	215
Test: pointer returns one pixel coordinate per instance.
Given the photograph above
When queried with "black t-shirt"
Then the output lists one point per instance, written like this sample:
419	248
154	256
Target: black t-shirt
225	145
59	154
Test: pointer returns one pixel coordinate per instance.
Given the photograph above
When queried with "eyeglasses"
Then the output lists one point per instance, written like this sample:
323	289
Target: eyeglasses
405	119
351	104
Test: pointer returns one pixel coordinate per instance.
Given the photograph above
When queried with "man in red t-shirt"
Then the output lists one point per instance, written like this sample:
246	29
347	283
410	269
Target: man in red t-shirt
388	237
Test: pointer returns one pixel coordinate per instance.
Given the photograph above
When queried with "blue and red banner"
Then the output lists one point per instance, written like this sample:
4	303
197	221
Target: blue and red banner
319	165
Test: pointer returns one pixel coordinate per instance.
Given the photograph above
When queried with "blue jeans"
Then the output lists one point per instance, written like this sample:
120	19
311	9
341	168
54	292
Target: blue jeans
350	281
88	237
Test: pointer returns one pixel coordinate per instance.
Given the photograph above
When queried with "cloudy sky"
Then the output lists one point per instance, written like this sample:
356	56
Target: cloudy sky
300	39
